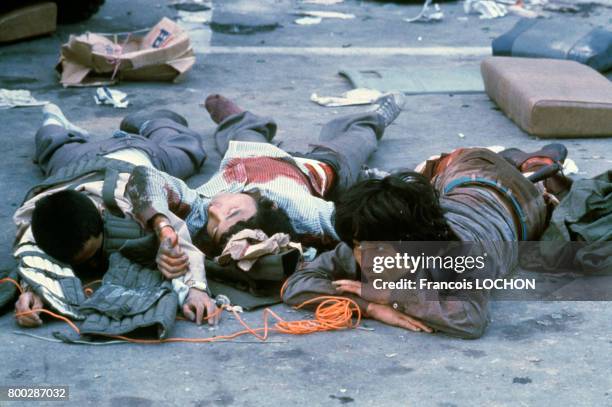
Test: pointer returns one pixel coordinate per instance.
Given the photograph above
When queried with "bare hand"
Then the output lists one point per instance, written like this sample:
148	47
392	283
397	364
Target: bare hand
386	314
171	261
27	302
355	287
198	305
348	286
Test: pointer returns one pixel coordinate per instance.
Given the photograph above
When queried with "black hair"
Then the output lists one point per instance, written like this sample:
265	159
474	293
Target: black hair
268	218
63	222
400	207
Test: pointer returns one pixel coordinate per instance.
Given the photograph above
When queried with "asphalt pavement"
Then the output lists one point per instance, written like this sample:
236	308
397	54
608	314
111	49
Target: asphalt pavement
534	353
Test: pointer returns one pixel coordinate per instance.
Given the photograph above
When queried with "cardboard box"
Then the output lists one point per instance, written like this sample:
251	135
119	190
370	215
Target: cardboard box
163	54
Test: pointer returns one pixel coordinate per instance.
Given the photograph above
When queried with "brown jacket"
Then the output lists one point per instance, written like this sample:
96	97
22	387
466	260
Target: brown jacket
476	212
456	314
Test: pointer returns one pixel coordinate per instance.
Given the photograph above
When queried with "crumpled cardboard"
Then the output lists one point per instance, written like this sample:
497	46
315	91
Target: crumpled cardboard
90	59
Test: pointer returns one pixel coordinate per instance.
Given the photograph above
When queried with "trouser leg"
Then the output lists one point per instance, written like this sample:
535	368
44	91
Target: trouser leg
244	126
57	147
179	149
346	143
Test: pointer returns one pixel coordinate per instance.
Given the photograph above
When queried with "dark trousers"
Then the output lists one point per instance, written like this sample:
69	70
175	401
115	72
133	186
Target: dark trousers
344	143
172	147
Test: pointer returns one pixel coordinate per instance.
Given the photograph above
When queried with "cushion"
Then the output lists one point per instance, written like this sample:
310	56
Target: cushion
550	98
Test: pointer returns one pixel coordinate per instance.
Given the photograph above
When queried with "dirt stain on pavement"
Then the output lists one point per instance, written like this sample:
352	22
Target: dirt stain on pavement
521	380
342	399
473	353
549	323
394	370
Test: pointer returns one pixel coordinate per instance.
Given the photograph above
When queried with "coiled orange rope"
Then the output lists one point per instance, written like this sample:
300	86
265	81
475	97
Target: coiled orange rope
332	313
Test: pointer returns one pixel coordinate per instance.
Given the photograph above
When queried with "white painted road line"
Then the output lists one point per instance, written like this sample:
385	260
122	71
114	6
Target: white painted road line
352	51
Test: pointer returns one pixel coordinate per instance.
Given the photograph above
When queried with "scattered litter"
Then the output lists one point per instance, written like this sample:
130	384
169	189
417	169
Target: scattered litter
164	53
487	9
191	7
415	80
342	390
322	2
201	17
308	20
359	96
18	98
461	135
427	15
113	97
533	359
327	14
523	12
391	355
97	376
569	167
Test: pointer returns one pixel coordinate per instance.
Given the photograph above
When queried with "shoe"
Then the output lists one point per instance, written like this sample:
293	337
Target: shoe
134	121
220	108
389	106
525	162
52	114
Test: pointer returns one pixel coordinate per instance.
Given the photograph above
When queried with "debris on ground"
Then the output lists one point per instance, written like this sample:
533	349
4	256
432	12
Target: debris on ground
412	79
18	98
570	167
190	6
428	14
194	17
326	14
359	96
113	97
322	2
242	23
487	9
164	53
308	20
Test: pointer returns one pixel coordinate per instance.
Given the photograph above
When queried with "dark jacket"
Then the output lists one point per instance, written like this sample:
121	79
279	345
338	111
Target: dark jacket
479	191
453	313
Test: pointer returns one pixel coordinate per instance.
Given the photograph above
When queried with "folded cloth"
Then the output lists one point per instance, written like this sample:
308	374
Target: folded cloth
248	245
18	98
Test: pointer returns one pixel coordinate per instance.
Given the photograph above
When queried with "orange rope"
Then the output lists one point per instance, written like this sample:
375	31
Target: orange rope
54	315
332	313
15	283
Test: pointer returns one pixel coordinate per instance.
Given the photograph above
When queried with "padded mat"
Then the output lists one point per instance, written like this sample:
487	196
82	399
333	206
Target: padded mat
418	80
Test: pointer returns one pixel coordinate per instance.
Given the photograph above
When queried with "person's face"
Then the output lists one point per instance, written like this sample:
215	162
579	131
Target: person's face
92	247
225	210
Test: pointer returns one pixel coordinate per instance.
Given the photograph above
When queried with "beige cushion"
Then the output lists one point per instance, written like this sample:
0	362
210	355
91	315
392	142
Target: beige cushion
550	98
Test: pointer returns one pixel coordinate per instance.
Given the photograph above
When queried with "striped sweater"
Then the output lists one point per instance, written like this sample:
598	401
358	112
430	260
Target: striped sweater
294	184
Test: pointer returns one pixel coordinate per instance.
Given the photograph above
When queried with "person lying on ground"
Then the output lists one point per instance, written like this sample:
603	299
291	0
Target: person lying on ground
67	215
469	195
260	186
